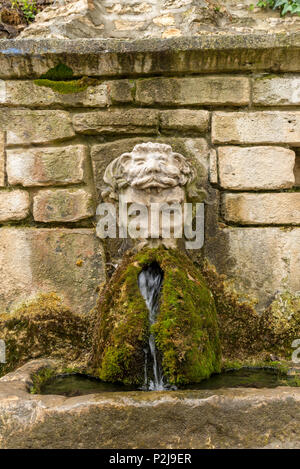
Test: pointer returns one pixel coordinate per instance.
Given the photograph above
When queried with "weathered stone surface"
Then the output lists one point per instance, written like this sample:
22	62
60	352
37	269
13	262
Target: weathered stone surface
213	167
262	209
2	159
46	166
14	205
130	121
260	261
256	127
277	90
27	93
219	418
26	126
66	205
194	149
184	119
121	91
208	90
256	168
213	53
158	18
68	262
297	170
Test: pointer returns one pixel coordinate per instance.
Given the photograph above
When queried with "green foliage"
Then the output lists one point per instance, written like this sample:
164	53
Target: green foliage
28	7
285	6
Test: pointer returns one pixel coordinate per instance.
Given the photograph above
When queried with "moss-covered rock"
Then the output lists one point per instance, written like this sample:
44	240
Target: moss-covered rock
43	328
186	330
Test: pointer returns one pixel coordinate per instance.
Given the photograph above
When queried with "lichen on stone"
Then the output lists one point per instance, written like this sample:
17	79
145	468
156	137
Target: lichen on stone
186	330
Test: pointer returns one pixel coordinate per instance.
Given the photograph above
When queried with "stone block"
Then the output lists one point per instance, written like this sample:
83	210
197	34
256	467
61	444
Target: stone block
256	127
14	205
123	121
69	262
256	168
25	126
2	159
46	166
262	209
261	261
204	90
277	90
184	119
62	205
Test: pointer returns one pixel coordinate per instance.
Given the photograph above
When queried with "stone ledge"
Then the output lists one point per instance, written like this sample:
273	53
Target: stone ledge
27	58
219	418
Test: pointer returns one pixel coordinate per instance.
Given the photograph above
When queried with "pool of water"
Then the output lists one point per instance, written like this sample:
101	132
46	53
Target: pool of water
78	385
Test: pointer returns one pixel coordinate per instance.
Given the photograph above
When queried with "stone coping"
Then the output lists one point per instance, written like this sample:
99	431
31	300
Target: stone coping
223	418
279	52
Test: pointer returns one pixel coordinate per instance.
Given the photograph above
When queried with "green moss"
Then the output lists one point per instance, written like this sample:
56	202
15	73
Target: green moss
67	87
186	329
58	73
43	328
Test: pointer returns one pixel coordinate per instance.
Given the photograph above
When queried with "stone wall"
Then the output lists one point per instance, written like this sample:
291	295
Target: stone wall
242	125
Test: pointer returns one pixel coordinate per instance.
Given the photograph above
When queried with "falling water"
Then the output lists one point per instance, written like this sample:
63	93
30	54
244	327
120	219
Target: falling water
150	282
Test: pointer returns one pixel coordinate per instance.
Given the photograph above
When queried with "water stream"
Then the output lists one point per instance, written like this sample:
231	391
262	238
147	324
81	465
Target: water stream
150	282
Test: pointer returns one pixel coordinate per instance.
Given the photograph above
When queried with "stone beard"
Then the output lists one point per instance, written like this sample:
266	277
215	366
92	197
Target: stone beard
150	181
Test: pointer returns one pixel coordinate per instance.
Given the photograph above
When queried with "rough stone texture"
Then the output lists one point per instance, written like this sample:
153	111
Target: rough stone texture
277	91
184	119
256	168
46	166
262	209
297	170
155	18
260	261
222	418
2	159
14	205
66	205
213	167
194	149
212	53
25	126
256	127
210	90
27	93
130	121
68	262
121	91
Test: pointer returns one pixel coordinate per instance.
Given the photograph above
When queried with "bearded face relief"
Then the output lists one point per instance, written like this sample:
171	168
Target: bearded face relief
148	186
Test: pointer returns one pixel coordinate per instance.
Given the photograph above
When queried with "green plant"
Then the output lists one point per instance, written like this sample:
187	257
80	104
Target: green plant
28	7
285	6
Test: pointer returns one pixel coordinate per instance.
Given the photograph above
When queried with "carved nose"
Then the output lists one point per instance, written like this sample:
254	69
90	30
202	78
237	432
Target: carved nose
153	166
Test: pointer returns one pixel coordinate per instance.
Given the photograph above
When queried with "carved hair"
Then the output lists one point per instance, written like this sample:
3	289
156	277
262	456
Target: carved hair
125	171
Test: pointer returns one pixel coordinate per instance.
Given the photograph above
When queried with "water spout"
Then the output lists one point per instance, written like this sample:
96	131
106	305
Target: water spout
150	282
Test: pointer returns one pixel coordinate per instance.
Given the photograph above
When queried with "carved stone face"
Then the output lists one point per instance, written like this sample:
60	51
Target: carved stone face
149	166
153	168
151	177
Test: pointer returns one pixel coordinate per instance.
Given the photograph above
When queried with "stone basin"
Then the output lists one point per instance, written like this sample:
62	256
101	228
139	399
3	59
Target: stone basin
223	418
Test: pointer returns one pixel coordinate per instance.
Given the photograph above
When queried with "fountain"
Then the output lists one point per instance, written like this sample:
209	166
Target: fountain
150	281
